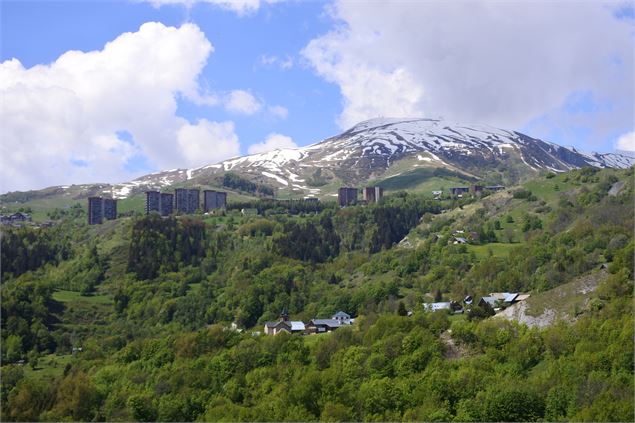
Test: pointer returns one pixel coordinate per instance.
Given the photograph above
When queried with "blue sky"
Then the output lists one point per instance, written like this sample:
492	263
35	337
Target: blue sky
207	80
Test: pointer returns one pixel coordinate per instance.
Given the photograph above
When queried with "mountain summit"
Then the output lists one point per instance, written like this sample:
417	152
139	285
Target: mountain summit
379	149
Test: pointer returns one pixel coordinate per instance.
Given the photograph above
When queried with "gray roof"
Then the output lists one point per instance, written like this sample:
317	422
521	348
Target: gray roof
297	325
277	323
326	322
437	306
342	315
489	300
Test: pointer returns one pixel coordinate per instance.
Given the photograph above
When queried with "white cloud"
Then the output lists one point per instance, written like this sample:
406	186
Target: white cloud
208	142
285	63
278	111
73	108
626	142
504	63
240	101
272	142
241	7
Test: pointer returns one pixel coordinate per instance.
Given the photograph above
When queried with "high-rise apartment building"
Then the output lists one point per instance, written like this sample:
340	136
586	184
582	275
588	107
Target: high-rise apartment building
180	200
347	196
166	204
153	202
95	210
193	200
214	200
373	194
110	208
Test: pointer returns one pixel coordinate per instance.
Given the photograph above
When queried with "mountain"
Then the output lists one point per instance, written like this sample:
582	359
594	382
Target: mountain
395	153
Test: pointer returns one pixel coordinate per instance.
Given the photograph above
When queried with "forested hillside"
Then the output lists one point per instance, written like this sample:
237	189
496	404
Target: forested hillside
131	320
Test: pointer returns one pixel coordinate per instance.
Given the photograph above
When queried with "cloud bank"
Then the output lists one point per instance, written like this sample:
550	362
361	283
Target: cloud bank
503	63
61	121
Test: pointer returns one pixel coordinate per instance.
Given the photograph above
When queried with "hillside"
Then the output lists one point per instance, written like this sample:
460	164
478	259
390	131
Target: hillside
398	154
132	319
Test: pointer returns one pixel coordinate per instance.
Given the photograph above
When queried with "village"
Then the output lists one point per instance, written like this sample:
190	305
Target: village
487	305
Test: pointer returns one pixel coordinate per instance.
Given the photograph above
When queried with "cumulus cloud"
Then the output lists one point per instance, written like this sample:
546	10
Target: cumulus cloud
276	61
272	142
504	63
243	102
626	142
61	121
208	142
278	111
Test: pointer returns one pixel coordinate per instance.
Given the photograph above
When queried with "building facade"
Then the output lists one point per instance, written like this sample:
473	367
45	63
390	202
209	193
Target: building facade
193	200
214	200
153	201
373	194
347	196
110	208
166	204
180	200
95	210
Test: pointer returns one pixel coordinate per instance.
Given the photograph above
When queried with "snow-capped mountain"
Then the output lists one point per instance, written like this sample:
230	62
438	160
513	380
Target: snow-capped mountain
372	148
385	147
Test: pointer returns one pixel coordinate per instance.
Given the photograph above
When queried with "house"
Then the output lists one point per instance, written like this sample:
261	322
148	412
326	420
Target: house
20	217
249	212
495	187
323	325
459	190
274	328
459	240
336	321
476	188
451	306
342	317
509	298
487	302
284	324
437	194
468	300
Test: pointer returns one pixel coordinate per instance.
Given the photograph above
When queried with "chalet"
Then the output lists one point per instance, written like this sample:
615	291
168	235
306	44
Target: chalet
342	317
459	190
459	240
508	298
487	302
274	328
336	321
284	325
18	217
323	325
451	306
476	188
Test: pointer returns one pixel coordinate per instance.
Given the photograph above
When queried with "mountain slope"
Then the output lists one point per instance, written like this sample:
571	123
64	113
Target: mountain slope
373	150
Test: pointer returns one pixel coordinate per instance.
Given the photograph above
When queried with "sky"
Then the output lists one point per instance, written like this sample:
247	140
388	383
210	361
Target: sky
108	91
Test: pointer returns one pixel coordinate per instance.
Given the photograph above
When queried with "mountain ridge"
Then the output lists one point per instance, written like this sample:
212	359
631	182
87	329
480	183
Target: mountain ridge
376	149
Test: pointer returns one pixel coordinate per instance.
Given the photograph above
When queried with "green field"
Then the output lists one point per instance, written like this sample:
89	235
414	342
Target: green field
73	296
495	249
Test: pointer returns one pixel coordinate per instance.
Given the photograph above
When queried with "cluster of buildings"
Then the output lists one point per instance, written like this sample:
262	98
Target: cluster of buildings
495	300
184	200
314	326
347	196
15	218
472	189
100	209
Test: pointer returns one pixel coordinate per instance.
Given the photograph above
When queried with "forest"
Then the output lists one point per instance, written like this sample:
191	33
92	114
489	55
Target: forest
161	319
